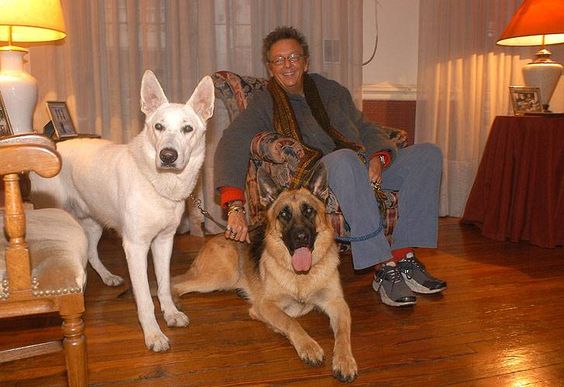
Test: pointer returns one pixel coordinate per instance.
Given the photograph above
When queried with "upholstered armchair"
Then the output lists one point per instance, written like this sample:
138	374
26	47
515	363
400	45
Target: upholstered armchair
42	256
271	148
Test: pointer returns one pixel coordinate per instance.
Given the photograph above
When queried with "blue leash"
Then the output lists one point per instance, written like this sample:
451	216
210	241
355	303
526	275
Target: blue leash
360	238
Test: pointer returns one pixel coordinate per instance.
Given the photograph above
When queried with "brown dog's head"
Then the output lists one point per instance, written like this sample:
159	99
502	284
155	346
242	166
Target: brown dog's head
297	218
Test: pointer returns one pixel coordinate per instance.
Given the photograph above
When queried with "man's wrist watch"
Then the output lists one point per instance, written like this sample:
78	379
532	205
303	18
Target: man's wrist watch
235	206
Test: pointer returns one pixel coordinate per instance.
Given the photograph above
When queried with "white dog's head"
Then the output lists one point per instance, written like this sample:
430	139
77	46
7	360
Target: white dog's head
175	130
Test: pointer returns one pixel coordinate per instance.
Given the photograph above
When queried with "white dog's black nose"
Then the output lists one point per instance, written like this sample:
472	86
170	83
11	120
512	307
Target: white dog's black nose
168	155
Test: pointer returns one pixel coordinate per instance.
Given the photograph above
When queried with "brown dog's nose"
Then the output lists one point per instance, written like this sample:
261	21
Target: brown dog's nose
300	237
168	155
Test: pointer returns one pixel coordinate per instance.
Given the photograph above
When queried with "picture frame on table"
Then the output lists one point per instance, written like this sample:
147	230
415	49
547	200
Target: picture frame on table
5	126
525	100
63	125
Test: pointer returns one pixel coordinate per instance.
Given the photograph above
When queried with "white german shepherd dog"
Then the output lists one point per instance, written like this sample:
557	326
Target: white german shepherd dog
138	189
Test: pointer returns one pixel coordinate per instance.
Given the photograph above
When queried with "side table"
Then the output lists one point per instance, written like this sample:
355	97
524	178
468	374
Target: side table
518	192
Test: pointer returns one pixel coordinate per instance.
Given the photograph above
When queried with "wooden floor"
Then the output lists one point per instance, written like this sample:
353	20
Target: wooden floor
500	322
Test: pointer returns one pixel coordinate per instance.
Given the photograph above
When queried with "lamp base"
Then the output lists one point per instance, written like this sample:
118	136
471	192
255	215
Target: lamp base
543	73
19	90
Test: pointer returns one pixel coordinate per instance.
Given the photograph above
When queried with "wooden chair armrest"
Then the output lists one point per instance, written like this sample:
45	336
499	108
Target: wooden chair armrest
28	138
16	157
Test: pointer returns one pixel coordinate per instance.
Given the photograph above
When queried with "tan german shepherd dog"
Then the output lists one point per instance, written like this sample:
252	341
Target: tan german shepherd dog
290	268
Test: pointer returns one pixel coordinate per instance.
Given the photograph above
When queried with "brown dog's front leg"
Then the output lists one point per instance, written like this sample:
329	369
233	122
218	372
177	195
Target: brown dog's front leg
307	348
344	364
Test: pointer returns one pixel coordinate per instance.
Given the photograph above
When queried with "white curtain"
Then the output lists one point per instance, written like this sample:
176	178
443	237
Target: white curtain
463	81
97	69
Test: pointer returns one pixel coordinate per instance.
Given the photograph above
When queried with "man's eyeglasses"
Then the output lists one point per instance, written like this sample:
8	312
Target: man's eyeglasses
292	58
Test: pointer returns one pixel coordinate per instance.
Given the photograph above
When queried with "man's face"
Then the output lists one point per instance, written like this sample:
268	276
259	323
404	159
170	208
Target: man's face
287	64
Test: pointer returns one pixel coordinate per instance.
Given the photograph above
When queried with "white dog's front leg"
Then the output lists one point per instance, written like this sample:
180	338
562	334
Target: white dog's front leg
136	254
162	251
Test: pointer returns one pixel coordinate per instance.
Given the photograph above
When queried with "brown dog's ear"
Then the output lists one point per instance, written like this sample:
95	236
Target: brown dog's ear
267	188
317	184
203	98
152	94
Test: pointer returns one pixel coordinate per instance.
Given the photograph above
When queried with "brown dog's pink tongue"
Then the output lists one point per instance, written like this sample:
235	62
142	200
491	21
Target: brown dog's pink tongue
301	260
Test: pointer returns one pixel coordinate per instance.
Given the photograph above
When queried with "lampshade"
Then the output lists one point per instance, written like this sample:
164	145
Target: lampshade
534	21
31	21
538	23
24	21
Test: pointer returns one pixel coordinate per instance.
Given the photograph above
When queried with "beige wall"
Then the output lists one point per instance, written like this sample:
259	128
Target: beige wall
392	74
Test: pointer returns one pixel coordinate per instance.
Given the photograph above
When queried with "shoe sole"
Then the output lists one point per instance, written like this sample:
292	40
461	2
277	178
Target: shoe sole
418	288
387	300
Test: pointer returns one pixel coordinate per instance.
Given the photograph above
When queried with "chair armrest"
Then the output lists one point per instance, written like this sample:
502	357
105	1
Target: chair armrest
28	138
29	153
398	136
275	148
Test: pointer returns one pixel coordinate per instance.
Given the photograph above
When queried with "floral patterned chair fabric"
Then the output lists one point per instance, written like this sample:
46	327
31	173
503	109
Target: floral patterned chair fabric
277	155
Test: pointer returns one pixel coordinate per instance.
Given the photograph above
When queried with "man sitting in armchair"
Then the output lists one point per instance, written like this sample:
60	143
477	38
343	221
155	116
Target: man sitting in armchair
321	116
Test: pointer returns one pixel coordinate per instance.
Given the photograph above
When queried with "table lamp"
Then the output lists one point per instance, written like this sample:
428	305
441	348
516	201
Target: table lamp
24	21
538	23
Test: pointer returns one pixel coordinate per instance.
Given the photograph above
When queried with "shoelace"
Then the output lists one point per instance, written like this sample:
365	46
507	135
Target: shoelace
412	263
392	272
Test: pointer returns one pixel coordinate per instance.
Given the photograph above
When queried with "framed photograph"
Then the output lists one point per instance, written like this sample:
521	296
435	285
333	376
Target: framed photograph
525	99
5	127
62	122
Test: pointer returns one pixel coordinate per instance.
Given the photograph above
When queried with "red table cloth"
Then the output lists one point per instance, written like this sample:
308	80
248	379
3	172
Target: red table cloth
518	192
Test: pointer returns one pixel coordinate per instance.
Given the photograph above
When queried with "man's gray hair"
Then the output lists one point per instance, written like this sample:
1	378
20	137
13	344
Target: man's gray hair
280	33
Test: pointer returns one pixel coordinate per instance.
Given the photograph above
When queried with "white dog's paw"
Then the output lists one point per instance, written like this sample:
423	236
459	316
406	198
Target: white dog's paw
157	342
176	319
112	280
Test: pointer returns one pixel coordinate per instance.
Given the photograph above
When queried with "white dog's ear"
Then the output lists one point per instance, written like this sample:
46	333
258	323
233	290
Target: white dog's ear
152	94
202	101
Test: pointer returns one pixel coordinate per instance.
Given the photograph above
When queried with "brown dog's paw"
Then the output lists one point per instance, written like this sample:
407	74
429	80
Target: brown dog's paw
311	353
344	368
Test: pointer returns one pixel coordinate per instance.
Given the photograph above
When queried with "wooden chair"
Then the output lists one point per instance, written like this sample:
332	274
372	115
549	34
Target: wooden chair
42	257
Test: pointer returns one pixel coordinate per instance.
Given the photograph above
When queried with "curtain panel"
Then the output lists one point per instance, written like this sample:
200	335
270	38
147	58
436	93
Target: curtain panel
463	80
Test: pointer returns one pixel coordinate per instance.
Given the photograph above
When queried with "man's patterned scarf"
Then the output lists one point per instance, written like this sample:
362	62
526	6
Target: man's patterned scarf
285	123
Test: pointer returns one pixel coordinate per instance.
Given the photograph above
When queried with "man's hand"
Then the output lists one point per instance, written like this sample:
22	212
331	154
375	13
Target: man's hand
237	228
375	169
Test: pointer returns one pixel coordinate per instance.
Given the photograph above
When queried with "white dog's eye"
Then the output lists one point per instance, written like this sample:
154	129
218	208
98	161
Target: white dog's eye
187	129
159	127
